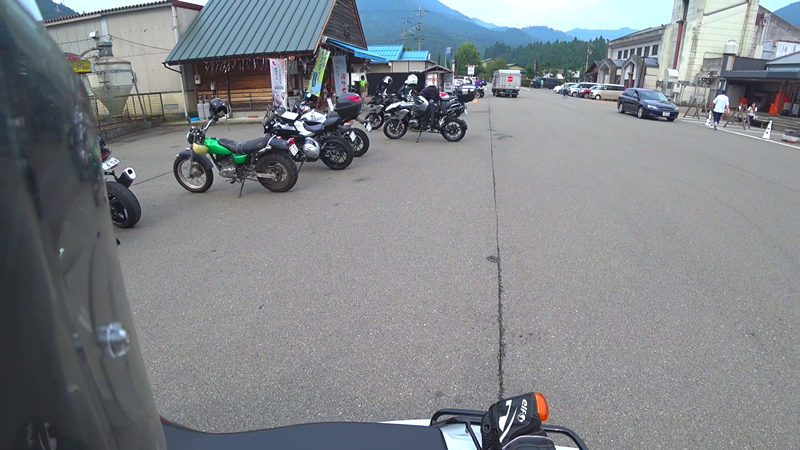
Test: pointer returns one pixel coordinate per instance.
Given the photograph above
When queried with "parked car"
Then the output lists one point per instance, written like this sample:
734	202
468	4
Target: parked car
565	86
577	88
646	103
607	92
585	92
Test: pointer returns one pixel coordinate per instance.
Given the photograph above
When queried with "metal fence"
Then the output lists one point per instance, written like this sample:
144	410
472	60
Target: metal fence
138	108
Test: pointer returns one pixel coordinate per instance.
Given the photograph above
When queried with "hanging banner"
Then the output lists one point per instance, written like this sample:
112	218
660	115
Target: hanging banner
277	71
318	75
340	74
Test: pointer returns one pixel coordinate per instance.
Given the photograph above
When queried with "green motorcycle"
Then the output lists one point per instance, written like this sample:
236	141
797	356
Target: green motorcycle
268	160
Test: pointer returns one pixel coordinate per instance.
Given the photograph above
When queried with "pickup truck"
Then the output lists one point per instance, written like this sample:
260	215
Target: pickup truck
506	82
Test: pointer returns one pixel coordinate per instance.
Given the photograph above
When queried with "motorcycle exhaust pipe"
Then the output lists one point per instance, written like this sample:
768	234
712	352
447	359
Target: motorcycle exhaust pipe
127	177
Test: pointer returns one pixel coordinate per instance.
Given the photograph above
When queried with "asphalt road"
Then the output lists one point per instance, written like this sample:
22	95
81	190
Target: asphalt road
643	275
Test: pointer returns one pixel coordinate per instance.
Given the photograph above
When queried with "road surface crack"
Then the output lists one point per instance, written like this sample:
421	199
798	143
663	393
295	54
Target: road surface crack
501	332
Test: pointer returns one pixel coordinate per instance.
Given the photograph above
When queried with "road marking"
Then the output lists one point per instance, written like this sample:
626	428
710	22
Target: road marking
743	134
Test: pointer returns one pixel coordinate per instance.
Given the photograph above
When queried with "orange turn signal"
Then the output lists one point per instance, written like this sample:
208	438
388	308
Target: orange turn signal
541	406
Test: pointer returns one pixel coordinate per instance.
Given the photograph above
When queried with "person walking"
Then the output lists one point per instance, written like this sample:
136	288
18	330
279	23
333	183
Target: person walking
721	106
364	87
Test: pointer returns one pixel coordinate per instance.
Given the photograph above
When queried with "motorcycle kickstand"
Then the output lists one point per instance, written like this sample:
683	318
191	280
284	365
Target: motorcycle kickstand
419	136
241	188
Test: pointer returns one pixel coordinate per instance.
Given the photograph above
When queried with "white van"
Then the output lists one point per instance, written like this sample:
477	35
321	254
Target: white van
607	92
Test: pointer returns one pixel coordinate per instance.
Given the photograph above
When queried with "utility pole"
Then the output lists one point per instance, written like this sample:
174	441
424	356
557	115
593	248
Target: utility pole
405	24
588	52
536	66
418	27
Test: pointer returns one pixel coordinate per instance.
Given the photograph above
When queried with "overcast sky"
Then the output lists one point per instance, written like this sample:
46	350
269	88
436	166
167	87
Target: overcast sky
559	14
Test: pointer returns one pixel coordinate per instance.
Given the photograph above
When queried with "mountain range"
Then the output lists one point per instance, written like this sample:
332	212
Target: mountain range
444	27
790	13
441	27
51	10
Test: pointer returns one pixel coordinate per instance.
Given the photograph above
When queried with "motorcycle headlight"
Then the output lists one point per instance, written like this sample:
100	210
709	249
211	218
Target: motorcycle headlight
652	107
190	137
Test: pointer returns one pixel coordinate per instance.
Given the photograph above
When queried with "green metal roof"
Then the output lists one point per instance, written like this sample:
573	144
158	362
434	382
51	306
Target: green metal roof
229	28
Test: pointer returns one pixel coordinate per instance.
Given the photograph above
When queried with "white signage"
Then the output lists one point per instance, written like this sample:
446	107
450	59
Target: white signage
277	71
470	69
340	74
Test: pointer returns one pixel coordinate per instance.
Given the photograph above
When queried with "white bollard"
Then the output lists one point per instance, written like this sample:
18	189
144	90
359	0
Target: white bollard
708	119
768	132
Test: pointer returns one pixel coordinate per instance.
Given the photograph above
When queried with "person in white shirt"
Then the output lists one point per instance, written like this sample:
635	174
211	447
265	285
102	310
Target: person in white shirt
721	106
751	111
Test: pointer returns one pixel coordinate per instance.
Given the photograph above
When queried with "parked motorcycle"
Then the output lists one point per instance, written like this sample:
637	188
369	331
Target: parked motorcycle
383	97
511	424
124	206
338	125
316	134
407	115
268	160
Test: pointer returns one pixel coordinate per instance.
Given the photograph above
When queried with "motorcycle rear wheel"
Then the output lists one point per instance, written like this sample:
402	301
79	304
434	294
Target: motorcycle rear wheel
281	167
361	144
191	175
336	153
454	129
125	208
395	128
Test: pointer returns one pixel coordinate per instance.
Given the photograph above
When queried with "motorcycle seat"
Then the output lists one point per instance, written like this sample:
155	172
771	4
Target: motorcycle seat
247	147
332	119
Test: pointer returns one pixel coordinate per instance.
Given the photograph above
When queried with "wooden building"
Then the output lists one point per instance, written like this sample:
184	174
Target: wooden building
226	52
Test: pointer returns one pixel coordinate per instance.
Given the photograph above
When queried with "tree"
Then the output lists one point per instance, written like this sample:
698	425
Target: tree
467	54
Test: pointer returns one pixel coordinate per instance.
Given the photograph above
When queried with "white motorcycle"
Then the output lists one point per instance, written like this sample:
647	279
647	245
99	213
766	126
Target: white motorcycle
510	424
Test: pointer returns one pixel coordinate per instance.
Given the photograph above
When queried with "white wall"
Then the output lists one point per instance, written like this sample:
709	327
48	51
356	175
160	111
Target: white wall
144	37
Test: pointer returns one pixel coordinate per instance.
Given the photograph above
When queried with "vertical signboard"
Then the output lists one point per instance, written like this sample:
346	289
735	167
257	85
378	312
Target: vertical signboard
318	75
340	74
277	71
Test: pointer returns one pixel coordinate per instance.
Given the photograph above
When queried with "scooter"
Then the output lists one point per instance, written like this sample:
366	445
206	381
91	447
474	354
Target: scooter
125	208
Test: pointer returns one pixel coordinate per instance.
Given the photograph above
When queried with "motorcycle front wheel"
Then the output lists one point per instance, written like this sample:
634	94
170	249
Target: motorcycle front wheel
125	208
336	153
361	142
191	175
454	129
375	120
276	171
395	128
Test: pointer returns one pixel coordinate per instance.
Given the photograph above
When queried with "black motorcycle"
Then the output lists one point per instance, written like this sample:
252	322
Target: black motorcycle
315	134
341	126
383	97
125	208
410	115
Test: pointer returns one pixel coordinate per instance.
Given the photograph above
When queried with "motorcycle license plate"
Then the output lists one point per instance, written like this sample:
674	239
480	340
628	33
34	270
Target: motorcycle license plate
110	163
352	136
369	127
293	149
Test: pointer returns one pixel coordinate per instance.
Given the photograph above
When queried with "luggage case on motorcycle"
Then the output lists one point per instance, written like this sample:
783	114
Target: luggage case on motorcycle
348	106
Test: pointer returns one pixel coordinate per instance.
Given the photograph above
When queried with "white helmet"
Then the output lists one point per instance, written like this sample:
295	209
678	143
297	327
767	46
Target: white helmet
412	79
387	80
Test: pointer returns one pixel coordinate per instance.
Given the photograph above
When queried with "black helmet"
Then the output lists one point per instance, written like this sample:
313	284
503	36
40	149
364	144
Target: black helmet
218	108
